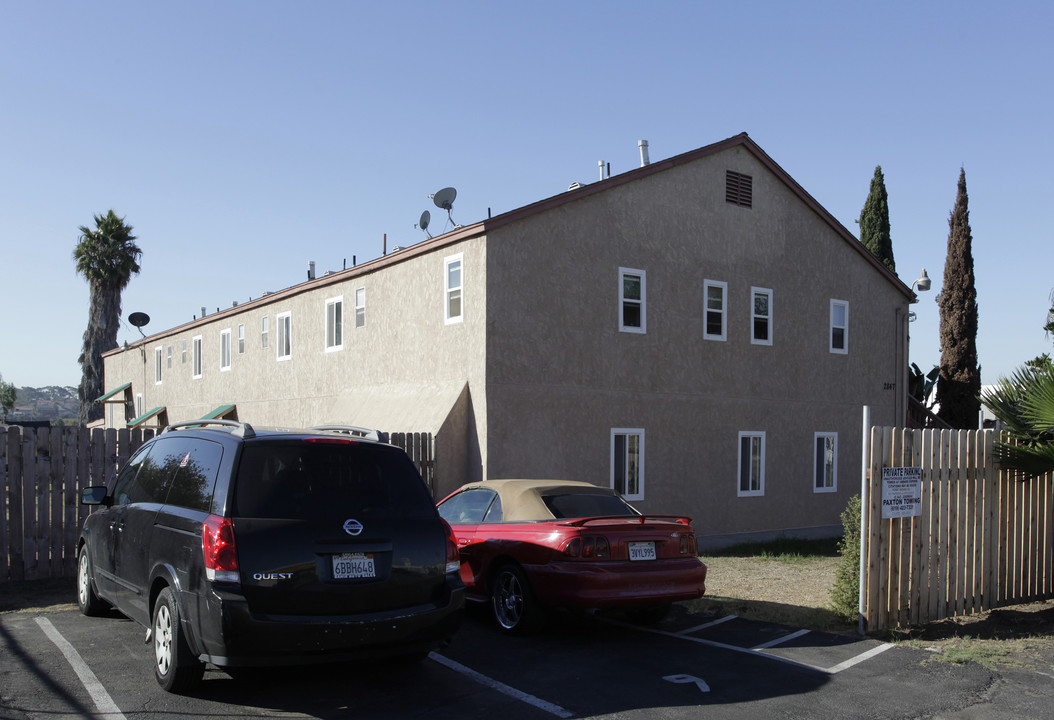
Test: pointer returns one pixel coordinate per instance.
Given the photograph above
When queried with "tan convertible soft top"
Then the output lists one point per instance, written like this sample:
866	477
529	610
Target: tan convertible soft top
521	499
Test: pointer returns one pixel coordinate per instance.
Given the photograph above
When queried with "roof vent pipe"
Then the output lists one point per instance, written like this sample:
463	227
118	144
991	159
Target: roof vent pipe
643	145
202	311
600	167
310	269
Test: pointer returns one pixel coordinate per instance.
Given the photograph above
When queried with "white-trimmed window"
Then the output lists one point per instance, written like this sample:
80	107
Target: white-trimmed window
335	324
241	339
454	287
825	462
265	331
627	462
168	358
284	321
158	364
751	464
183	357
138	404
760	316
225	349
196	360
715	319
632	315
840	327
360	307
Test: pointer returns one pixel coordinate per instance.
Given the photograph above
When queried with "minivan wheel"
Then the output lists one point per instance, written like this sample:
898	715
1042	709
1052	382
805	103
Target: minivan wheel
175	666
515	608
89	603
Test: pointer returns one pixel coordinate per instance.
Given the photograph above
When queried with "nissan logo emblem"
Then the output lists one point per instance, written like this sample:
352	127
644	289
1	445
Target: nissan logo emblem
352	526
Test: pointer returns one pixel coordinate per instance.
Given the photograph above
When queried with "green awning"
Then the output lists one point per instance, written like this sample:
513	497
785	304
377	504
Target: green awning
107	397
156	412
219	413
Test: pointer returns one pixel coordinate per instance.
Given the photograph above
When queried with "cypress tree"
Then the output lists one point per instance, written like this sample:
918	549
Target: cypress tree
874	221
959	387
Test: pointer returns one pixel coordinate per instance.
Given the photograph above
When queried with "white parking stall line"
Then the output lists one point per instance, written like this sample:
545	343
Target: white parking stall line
781	640
759	650
107	707
502	687
877	650
710	624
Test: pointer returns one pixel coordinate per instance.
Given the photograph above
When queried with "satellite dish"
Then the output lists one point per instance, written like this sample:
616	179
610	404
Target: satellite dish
139	319
426	217
445	198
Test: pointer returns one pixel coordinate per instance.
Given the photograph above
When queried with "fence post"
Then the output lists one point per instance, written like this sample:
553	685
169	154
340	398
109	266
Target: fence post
865	444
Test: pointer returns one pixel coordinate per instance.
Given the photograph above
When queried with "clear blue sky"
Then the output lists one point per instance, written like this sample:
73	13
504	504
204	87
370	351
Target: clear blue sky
243	139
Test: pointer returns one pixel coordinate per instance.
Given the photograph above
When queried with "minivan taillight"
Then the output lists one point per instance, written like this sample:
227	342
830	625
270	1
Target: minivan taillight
221	558
453	557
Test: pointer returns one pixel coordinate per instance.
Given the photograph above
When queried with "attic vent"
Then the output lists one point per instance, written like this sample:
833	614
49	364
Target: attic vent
738	188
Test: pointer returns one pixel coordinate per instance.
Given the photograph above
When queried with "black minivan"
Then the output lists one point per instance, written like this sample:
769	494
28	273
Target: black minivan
248	547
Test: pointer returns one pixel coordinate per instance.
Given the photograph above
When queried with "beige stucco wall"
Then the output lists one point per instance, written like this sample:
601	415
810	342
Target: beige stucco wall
405	370
561	375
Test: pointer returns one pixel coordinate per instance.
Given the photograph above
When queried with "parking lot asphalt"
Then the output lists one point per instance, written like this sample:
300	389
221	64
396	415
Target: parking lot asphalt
60	664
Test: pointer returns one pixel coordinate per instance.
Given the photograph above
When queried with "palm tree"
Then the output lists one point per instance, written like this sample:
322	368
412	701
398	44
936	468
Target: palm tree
107	257
1025	404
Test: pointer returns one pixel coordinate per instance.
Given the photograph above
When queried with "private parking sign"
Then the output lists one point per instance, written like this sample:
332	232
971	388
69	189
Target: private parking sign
901	492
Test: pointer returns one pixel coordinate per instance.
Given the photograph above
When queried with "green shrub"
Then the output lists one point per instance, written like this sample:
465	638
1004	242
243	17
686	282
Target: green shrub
845	595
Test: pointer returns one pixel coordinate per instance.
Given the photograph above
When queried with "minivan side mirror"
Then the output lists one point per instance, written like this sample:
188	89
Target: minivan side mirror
95	495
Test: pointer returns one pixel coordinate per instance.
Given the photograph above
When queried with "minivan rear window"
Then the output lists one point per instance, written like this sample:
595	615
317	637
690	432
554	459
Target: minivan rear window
320	480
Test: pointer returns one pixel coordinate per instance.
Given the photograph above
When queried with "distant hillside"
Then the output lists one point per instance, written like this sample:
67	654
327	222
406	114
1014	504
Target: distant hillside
47	403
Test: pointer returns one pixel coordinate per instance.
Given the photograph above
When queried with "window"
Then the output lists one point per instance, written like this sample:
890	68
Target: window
183	358
168	362
225	349
284	321
138	404
632	293
360	307
158	363
455	283
627	462
840	327
265	330
196	371
751	464
334	324
739	189
825	468
241	339
714	322
761	316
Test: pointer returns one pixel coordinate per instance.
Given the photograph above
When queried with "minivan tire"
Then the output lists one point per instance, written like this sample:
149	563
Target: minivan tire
175	666
89	603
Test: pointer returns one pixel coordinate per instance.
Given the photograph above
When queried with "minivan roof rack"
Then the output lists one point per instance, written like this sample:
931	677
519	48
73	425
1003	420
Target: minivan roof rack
362	432
238	429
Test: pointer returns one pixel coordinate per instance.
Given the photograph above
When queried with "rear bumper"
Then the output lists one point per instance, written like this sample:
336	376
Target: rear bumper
617	584
238	637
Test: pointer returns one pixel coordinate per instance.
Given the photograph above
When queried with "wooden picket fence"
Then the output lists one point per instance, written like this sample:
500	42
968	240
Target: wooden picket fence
984	538
43	470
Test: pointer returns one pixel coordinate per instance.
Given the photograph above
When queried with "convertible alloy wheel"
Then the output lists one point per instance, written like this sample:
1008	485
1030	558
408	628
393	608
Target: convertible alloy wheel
515	608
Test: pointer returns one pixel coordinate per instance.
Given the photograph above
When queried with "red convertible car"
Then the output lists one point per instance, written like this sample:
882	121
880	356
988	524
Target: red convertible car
530	545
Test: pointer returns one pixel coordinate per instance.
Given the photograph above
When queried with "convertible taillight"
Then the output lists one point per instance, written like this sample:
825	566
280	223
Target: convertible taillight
453	557
688	545
221	558
588	547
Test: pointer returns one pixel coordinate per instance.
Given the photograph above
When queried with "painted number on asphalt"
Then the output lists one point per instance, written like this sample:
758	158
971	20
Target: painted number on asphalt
688	679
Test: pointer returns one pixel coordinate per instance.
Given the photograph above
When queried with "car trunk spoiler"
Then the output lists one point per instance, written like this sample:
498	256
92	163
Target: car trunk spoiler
627	520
